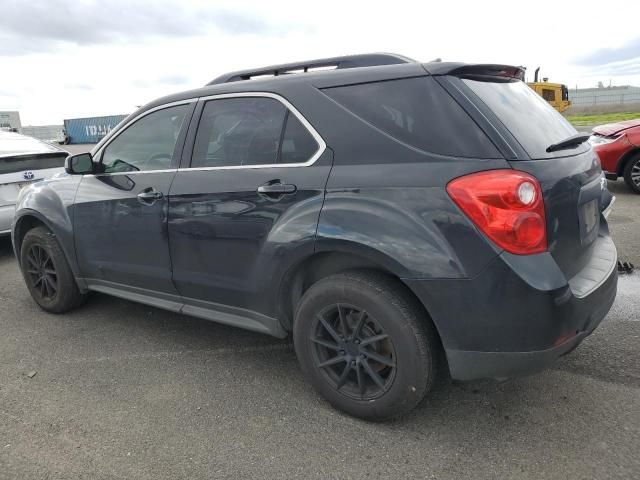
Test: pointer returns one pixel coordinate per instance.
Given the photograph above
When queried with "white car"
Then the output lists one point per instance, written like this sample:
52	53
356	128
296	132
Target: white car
23	160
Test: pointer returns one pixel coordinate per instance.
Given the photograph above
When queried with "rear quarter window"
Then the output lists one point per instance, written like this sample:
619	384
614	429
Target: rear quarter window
419	113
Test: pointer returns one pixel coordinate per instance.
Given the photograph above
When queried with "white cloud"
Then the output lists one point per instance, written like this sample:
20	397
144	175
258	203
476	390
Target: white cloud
100	58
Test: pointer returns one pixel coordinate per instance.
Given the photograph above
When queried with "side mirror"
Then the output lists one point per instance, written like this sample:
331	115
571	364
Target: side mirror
79	164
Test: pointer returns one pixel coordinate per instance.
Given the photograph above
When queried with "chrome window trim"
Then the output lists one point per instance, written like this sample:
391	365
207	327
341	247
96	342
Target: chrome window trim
132	172
322	146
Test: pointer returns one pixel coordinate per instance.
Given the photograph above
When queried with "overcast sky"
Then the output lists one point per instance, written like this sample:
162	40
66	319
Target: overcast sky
74	58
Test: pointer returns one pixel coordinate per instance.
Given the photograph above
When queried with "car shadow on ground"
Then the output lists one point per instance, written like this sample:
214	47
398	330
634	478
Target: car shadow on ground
459	411
142	333
6	249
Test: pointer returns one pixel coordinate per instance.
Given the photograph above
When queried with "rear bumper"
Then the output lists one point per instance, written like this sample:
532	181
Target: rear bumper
465	365
469	365
519	315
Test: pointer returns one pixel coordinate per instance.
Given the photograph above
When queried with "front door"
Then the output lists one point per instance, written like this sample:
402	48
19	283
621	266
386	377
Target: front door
247	204
120	216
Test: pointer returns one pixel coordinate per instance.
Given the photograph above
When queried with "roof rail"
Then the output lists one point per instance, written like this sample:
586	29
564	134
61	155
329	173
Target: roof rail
350	61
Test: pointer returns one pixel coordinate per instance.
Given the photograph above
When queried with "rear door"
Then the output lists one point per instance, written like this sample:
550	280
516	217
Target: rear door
571	178
246	202
120	216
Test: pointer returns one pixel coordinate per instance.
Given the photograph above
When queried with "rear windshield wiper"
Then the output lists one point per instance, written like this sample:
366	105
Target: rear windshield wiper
572	141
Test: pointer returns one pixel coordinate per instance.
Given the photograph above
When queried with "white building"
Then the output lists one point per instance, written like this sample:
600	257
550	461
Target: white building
10	120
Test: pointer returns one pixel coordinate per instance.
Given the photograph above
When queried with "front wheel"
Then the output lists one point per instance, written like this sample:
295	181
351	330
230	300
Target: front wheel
632	174
47	273
365	344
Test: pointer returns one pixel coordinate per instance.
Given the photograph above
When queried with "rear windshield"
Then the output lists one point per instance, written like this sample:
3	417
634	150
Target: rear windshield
534	123
417	112
31	162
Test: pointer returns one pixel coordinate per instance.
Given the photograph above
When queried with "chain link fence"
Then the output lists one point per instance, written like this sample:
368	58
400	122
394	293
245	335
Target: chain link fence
607	99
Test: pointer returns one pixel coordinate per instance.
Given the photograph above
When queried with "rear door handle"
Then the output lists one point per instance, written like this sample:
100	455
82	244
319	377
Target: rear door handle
149	195
277	189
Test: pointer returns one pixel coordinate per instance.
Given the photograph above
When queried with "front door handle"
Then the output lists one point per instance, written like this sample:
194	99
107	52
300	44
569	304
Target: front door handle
149	195
277	189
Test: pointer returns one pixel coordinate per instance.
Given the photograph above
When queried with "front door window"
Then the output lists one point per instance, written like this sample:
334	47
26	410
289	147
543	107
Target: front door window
148	144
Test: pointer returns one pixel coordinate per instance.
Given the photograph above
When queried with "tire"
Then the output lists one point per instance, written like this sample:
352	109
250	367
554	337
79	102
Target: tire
405	361
40	257
631	170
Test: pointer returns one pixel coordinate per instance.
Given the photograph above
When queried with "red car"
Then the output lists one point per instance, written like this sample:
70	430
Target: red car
618	146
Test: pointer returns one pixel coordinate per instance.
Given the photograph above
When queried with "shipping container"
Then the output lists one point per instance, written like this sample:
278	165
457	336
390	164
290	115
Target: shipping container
92	129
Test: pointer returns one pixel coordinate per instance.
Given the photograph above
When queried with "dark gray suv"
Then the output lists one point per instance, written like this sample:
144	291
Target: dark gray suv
400	220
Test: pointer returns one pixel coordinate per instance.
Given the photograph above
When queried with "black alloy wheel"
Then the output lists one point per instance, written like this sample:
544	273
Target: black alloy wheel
47	273
41	272
356	355
365	344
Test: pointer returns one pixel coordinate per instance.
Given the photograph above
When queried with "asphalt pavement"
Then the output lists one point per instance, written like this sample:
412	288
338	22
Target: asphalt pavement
121	390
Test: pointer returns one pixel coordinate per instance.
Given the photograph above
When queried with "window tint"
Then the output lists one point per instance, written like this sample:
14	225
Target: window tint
32	162
533	122
148	144
239	131
298	145
418	112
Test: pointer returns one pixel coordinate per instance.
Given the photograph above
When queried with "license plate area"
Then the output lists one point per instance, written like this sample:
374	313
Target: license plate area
589	212
589	221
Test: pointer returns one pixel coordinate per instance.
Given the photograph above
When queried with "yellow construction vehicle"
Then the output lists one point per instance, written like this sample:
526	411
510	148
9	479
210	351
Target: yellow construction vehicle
556	94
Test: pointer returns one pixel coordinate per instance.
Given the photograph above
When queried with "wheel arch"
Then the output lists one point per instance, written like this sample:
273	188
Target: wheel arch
313	268
29	219
626	158
25	222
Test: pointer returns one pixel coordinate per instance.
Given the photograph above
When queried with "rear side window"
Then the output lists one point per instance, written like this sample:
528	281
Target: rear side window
235	132
418	112
298	146
239	131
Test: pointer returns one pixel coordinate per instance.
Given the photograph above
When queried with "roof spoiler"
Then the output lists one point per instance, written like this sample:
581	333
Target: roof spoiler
350	61
488	70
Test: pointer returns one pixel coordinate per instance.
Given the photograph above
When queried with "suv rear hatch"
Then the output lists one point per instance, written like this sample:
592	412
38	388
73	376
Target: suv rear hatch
571	178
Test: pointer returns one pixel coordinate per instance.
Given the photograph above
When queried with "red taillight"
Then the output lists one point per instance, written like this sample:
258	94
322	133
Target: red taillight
506	205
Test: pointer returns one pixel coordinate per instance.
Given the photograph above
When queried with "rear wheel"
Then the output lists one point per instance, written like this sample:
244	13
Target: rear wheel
632	174
47	273
365	344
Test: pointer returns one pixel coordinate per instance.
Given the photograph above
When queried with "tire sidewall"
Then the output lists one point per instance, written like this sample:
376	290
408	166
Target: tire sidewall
627	174
67	292
412	374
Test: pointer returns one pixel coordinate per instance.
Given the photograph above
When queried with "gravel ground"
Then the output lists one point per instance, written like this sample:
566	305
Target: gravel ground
122	390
